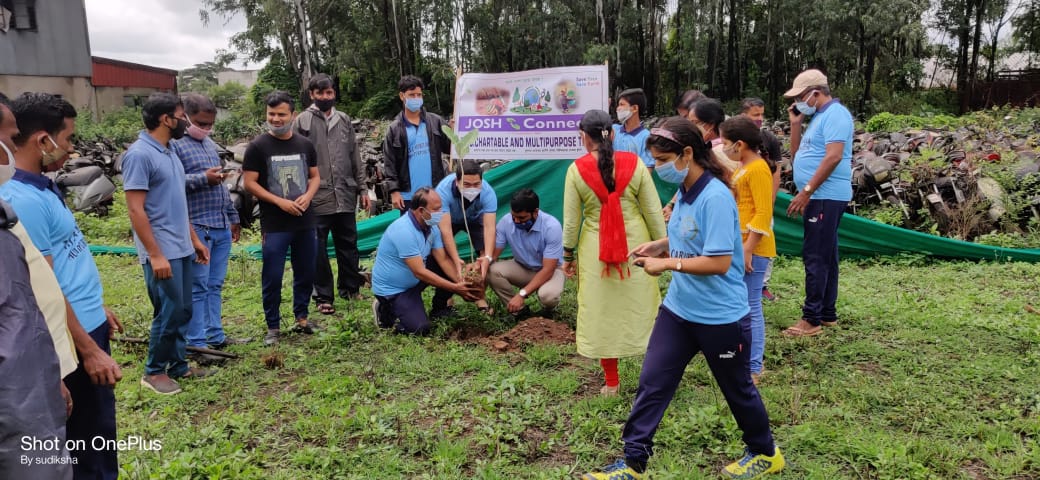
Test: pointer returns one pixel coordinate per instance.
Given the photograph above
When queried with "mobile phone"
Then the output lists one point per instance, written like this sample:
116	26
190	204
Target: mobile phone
794	109
229	170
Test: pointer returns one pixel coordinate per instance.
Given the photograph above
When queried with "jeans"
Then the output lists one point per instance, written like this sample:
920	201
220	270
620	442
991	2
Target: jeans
343	227
757	321
171	306
93	415
820	257
673	343
208	283
301	246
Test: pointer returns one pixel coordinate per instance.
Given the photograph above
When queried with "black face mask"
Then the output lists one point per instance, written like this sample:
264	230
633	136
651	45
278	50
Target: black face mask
325	105
178	132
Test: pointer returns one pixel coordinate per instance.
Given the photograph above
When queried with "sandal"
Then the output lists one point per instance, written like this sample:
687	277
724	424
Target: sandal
798	332
326	309
486	309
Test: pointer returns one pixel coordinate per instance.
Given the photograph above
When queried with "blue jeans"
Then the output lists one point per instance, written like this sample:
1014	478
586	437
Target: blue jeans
207	284
93	415
171	306
757	324
302	247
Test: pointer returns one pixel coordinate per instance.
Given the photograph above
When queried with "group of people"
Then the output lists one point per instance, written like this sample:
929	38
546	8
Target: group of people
693	195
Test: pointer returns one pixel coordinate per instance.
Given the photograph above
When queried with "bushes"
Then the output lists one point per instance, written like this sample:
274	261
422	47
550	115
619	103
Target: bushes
120	126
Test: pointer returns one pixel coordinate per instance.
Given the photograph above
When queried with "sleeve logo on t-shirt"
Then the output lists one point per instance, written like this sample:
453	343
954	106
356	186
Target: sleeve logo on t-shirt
287	175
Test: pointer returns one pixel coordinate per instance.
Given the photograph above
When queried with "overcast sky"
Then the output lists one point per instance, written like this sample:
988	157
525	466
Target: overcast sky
161	33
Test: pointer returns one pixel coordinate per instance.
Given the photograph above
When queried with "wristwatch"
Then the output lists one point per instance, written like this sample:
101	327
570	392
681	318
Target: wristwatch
489	259
807	188
523	293
678	266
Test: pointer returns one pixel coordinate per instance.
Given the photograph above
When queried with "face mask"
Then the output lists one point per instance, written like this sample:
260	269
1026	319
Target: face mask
53	156
325	104
803	106
279	131
435	218
669	173
623	114
758	123
196	132
7	171
413	104
525	226
178	132
732	151
470	193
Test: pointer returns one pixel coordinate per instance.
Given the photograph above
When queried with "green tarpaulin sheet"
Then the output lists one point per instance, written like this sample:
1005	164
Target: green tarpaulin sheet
858	236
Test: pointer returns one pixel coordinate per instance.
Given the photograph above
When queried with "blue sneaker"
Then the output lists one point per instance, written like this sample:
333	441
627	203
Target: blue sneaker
618	470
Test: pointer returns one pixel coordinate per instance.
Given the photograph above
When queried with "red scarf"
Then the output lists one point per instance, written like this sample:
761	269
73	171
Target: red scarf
613	241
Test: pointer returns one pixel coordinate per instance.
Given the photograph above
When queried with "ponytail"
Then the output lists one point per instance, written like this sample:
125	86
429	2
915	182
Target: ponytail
606	159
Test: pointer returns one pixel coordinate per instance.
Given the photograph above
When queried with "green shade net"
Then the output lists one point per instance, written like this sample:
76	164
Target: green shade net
857	236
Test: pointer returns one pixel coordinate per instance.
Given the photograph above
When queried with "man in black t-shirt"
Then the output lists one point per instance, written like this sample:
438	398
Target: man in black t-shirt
275	165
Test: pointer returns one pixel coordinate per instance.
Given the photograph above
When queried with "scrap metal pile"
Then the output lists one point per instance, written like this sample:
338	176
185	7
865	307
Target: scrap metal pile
956	182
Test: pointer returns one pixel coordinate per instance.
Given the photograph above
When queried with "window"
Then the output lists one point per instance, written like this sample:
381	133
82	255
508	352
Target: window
18	14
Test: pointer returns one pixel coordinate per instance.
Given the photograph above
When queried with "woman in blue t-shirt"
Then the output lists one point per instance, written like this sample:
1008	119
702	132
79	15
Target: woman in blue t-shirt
703	310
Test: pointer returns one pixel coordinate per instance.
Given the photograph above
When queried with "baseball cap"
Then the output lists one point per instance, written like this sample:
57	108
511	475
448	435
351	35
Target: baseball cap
806	79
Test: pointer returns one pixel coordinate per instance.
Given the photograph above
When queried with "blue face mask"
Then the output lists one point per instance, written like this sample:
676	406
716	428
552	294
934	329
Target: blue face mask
435	218
670	174
525	226
413	104
804	107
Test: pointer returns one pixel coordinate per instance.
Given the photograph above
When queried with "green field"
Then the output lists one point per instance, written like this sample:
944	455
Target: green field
931	375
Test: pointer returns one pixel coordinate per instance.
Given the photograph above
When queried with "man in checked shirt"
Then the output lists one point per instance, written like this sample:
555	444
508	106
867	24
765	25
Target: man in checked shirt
214	219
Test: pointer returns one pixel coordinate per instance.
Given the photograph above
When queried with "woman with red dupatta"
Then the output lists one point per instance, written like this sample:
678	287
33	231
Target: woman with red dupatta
610	206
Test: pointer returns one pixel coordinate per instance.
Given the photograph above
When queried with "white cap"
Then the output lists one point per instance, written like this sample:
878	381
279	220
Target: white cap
806	79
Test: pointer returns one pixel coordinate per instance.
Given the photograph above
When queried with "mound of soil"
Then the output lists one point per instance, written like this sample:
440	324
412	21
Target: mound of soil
533	331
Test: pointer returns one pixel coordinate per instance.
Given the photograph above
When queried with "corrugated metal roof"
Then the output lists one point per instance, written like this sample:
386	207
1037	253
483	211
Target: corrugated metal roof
117	73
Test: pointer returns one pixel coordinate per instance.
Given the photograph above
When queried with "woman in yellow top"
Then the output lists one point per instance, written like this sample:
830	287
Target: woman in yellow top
753	186
610	205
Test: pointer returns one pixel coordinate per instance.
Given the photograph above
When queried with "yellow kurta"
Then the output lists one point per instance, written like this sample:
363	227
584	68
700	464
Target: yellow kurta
614	316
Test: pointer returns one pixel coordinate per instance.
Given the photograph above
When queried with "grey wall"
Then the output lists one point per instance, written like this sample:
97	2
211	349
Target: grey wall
59	47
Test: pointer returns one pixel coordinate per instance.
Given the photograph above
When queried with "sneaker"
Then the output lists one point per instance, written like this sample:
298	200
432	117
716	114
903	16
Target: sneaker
615	471
445	312
766	294
375	315
228	341
754	466
272	337
161	384
549	312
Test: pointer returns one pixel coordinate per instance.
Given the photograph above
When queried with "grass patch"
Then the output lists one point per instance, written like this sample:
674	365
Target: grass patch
930	375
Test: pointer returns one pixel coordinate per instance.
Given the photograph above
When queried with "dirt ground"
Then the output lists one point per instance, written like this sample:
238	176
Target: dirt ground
533	331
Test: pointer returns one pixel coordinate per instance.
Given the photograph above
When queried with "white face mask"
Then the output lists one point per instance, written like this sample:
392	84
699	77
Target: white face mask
470	193
623	114
7	171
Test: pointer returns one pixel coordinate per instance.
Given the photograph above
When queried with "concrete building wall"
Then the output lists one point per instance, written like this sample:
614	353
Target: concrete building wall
107	99
245	77
76	90
58	47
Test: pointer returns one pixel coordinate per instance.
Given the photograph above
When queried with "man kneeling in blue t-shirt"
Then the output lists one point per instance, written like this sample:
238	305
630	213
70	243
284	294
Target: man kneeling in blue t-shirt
400	274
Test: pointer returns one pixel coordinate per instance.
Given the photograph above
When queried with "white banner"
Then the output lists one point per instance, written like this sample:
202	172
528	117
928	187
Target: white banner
530	115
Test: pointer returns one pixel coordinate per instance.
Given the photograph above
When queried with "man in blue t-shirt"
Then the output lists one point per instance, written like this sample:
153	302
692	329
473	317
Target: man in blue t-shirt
46	125
154	180
400	273
466	191
822	158
630	136
536	239
413	146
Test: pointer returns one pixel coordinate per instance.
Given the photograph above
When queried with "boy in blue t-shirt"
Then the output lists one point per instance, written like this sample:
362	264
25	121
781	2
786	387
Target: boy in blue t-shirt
630	136
466	191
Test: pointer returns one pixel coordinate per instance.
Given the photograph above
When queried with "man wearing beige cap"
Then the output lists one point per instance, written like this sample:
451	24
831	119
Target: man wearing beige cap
823	173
